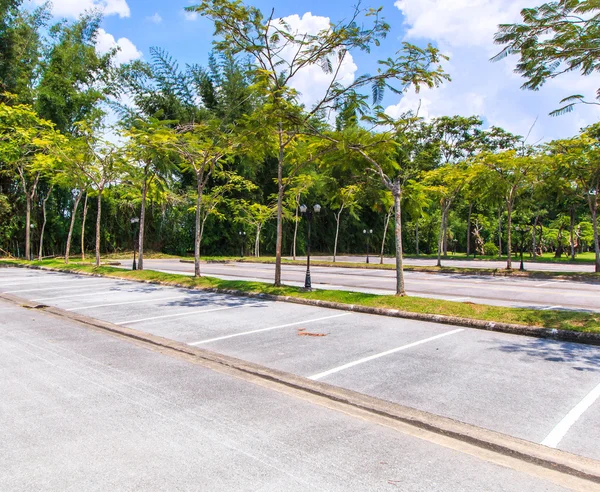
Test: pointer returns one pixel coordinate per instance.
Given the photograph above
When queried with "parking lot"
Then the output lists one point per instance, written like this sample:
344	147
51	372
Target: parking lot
540	390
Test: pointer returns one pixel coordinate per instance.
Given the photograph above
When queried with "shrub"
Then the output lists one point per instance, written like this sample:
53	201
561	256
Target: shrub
490	249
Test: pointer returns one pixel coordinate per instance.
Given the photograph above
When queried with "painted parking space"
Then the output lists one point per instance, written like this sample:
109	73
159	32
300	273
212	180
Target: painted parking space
517	385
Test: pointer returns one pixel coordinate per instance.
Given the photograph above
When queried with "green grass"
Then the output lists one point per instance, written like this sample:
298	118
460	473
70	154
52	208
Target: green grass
565	320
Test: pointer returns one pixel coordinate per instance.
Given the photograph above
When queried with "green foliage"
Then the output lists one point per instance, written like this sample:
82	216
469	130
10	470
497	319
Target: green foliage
490	249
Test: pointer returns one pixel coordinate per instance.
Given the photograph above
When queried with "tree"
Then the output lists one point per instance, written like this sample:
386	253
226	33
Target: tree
256	215
580	159
149	164
299	186
279	54
202	147
555	38
510	173
447	182
27	145
346	198
74	77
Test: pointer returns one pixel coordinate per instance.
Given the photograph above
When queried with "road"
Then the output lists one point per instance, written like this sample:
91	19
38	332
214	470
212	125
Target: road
83	410
450	262
503	291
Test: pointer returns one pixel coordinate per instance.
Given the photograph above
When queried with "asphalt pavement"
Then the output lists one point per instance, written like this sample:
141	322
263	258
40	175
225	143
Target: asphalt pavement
450	261
543	391
501	291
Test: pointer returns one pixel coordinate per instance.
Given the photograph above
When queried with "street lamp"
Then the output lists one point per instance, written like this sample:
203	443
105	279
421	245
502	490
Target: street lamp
242	235
367	233
134	220
308	213
522	231
454	243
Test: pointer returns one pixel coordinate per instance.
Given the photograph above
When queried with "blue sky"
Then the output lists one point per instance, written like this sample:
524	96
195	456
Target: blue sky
463	29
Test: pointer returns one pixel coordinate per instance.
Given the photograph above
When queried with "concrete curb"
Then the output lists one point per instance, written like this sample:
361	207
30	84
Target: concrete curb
513	329
483	272
553	459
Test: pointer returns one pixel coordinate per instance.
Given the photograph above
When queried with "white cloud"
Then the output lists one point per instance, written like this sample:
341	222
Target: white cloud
312	82
155	19
190	16
127	50
466	28
458	22
73	8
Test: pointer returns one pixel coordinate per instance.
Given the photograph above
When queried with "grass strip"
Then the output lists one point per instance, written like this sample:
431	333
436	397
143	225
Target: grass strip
565	320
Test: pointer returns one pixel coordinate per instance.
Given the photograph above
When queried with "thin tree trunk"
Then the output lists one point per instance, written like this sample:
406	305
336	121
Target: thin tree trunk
140	265
296	232
337	230
85	208
280	190
386	224
71	226
28	227
469	230
441	238
200	187
572	233
593	202
534	238
509	236
257	242
445	239
417	238
98	219
400	290
500	233
44	201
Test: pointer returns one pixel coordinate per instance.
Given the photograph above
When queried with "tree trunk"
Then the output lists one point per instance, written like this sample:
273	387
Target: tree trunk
28	227
85	208
500	233
572	233
593	202
140	264
469	230
534	238
417	238
98	216
257	242
296	232
386	224
71	226
445	239
43	223
280	190
400	291
441	238
200	187
337	230
509	236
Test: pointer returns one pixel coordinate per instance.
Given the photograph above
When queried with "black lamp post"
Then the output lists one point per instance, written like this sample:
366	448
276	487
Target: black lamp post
522	231
308	213
367	233
134	220
242	240
454	243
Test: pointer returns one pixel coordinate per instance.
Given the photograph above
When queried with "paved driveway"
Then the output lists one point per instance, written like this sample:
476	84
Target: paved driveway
540	390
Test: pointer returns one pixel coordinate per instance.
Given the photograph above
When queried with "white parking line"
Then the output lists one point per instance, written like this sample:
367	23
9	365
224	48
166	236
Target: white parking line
382	354
102	292
268	329
553	439
548	308
46	288
189	313
124	303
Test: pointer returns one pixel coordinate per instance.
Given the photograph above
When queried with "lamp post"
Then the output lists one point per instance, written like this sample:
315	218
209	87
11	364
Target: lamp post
242	235
454	243
522	230
134	221
367	233
308	213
